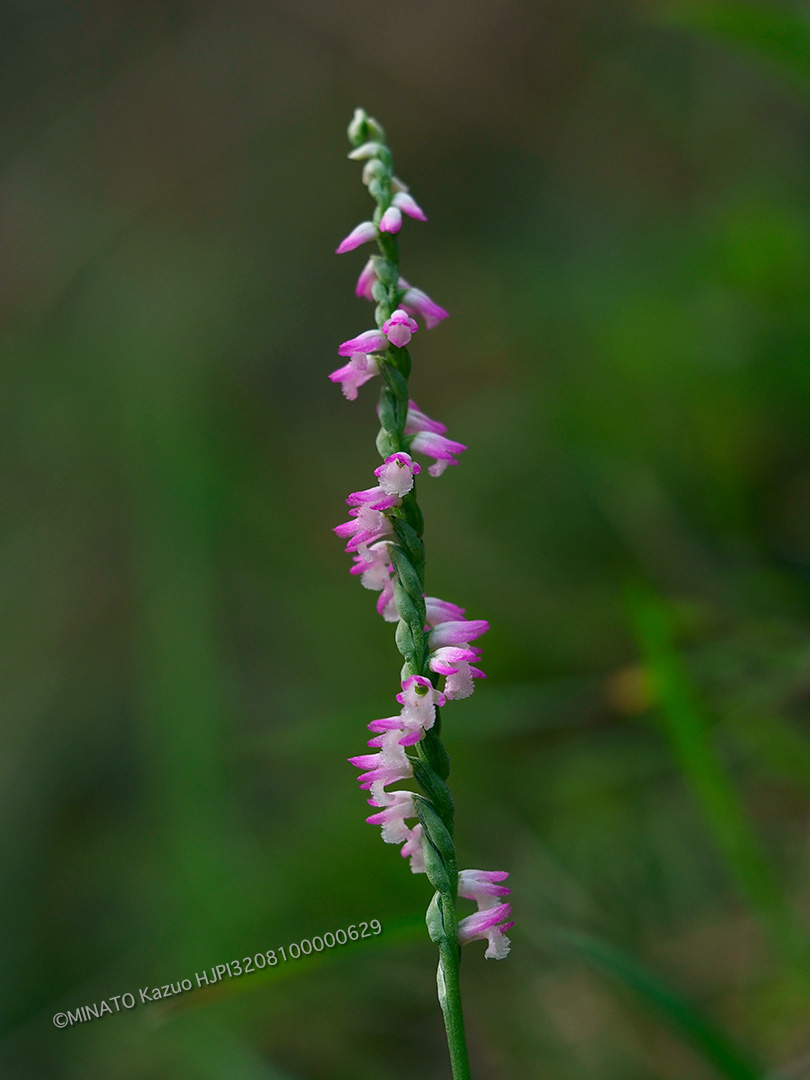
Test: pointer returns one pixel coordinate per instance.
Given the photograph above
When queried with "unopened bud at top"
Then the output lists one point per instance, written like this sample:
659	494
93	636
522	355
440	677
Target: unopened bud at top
363	128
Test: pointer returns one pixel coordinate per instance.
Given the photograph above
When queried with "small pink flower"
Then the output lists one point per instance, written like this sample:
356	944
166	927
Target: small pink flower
386	603
400	328
397	473
391	221
419	700
483	887
368	276
450	650
353	375
412	849
376	498
457	632
407	204
387	723
385	767
454	664
374	566
487	925
366	527
417	715
429	439
441	610
360	234
392	818
419	303
370	341
441	449
460	684
417	421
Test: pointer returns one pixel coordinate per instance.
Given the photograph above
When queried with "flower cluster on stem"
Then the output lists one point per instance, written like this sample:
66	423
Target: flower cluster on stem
435	637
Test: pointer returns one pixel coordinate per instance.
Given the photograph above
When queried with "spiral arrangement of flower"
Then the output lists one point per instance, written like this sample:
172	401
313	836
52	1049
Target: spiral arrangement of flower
384	536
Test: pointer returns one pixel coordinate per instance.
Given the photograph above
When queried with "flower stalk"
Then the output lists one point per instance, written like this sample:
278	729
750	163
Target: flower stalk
384	536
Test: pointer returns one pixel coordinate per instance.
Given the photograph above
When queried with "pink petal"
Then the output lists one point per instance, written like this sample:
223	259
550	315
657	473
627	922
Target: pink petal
408	205
391	221
360	234
370	341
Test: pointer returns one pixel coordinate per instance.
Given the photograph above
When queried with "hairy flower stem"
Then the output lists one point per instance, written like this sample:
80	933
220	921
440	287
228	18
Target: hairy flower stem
431	764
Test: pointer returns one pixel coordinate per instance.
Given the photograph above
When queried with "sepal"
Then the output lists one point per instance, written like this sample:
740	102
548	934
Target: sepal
437	845
434	920
441	806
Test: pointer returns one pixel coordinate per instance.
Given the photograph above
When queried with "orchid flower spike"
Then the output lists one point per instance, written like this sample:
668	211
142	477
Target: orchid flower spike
384	535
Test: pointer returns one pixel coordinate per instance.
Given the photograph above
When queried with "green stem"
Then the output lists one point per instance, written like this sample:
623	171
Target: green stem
447	978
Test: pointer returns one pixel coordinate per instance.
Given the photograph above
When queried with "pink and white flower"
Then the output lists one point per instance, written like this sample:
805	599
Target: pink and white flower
396	474
400	328
366	527
370	341
417	421
368	275
456	632
488	925
417	715
414	301
402	203
441	610
419	699
449	640
454	664
408	205
392	817
385	767
360	234
376	498
483	886
428	438
360	368
442	450
419	303
412	849
374	565
391	221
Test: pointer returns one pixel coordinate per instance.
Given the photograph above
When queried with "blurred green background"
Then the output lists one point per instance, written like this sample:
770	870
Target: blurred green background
618	200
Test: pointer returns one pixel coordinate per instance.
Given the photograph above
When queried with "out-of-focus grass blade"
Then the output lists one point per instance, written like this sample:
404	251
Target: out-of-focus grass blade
712	1043
777	36
217	1054
406	928
688	732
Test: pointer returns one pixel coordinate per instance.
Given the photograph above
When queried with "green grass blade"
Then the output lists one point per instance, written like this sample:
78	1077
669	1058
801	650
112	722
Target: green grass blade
777	37
688	732
711	1042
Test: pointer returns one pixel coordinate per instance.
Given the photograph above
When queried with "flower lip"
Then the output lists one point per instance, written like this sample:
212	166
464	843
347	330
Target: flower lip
400	328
